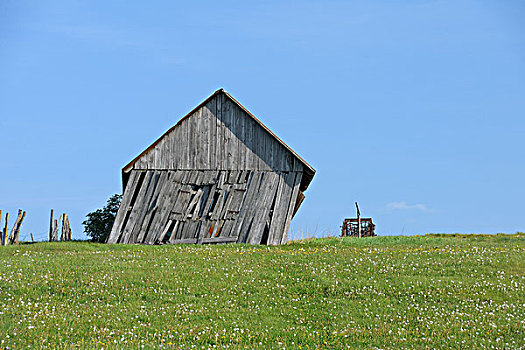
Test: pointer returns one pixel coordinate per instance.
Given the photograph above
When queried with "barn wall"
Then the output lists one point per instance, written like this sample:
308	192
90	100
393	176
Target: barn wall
207	206
219	135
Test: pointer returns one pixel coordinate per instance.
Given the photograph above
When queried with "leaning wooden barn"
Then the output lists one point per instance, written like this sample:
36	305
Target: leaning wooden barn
218	176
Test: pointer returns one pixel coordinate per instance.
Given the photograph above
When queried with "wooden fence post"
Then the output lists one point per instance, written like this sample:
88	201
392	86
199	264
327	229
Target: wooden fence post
4	236
68	231
64	228
358	220
51	227
11	238
17	230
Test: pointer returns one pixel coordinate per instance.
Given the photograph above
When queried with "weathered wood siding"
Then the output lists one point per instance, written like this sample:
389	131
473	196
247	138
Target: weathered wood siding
218	176
206	206
219	135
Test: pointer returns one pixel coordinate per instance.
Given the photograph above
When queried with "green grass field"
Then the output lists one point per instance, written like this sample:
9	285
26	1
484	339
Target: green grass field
381	292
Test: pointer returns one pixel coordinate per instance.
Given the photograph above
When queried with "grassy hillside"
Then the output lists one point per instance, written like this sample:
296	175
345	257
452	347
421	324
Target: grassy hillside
382	292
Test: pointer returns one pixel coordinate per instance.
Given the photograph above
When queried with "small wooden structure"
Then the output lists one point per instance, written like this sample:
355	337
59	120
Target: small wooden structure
351	228
218	176
358	227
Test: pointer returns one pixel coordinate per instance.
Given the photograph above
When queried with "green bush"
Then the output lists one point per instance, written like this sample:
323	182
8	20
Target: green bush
98	224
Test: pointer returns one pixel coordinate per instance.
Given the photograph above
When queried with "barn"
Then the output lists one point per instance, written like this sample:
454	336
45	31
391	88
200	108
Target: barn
218	176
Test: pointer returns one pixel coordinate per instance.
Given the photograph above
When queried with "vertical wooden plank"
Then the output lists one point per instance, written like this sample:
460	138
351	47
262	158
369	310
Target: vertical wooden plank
188	144
254	158
192	142
124	207
175	200
261	149
183	143
279	160
50	226
219	148
266	166
137	208
246	214
149	162
205	139
175	149
256	147
241	139
145	161
146	209
151	220
202	231
234	140
161	146
265	200
281	208
210	109
178	149
164	231
166	156
291	206
226	135
175	233
259	139
277	157
156	157
277	222
297	165
248	142
166	202
197	121
189	229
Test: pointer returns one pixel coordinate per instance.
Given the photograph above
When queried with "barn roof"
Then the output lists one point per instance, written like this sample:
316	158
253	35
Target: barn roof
309	170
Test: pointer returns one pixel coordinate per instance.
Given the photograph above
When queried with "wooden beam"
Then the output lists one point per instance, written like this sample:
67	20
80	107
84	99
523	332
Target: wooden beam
184	241
11	237
358	219
51	227
295	192
4	235
64	228
219	240
17	229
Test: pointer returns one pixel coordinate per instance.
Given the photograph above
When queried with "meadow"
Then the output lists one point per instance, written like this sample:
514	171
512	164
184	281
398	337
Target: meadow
375	293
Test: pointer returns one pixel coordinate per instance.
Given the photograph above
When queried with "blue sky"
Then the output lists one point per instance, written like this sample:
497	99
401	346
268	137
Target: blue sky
414	109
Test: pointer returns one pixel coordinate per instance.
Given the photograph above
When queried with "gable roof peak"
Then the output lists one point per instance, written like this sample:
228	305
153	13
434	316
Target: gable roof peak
310	171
